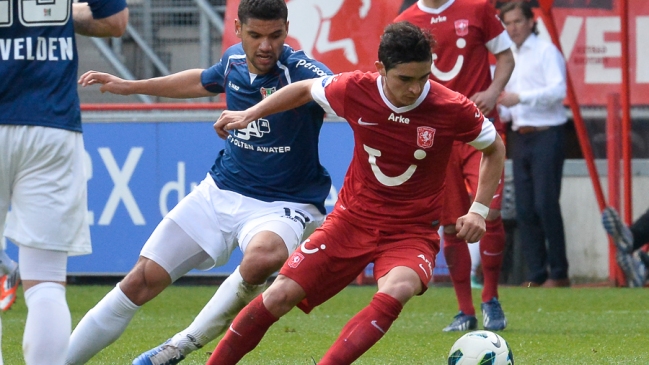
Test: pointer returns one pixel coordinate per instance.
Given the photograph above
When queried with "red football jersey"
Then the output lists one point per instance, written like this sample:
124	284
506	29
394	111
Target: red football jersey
397	173
466	32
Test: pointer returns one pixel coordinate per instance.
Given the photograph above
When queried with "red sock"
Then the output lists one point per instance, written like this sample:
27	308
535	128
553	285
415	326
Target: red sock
246	331
458	260
492	247
363	330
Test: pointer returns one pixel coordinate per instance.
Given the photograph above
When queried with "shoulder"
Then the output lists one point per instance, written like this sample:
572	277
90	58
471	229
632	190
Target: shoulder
301	66
233	50
441	96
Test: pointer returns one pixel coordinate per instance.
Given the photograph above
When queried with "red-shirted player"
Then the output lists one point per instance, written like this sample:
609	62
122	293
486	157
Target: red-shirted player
390	204
466	32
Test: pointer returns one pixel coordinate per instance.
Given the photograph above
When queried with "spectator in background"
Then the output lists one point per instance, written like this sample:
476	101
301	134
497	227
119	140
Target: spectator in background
42	173
533	101
628	241
467	31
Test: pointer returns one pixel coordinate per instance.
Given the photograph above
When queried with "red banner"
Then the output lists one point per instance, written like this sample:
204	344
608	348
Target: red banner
344	34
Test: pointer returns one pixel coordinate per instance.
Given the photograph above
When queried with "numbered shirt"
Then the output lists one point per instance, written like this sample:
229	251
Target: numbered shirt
276	157
466	32
397	172
38	61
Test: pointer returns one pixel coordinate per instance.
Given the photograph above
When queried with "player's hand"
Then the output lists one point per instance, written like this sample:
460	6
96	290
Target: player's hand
485	101
508	99
230	120
470	227
110	83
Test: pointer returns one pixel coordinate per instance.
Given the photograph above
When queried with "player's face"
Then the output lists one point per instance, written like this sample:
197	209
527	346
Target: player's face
404	83
518	26
263	41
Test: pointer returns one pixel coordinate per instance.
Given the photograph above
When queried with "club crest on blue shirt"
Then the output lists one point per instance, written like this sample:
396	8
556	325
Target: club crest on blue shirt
266	92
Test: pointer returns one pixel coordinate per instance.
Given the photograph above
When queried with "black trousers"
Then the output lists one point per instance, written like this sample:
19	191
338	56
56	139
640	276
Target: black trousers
640	230
538	169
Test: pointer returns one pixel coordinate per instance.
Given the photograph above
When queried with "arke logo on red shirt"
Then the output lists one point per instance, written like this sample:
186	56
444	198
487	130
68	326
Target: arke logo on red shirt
425	137
462	27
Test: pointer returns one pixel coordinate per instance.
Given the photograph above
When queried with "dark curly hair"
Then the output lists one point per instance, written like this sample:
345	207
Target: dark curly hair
404	42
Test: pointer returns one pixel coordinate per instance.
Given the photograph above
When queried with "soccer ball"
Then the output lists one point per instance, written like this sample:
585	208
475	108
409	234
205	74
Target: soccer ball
480	348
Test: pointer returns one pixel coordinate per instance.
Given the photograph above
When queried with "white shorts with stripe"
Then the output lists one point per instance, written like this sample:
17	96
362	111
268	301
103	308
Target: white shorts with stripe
220	220
42	178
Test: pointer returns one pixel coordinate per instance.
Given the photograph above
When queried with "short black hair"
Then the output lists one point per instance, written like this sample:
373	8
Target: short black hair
404	42
263	10
526	9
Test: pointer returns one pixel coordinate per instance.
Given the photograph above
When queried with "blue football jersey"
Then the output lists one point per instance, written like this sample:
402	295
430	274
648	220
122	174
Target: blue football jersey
38	61
276	157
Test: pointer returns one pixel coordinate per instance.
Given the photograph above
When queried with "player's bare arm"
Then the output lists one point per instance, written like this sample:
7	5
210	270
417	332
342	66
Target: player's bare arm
288	97
85	24
181	85
471	227
486	100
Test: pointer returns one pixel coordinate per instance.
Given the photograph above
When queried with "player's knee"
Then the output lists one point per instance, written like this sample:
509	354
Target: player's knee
145	281
402	290
262	260
282	296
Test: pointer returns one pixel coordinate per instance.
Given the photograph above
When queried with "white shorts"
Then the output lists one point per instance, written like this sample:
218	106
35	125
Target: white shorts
42	178
220	220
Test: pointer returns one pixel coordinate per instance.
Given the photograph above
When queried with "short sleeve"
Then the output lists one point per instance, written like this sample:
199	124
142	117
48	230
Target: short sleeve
213	78
304	68
329	93
473	127
104	8
496	38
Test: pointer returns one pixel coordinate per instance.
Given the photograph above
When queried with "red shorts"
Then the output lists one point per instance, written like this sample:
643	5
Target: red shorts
338	251
462	175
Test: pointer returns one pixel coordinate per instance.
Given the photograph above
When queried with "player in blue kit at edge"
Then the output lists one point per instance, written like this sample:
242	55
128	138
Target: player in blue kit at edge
42	155
264	193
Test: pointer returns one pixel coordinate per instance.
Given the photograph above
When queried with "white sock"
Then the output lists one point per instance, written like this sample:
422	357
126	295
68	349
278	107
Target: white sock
7	265
218	313
474	251
101	326
48	325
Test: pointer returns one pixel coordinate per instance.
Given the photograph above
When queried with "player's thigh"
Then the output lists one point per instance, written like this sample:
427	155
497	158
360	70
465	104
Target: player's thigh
49	197
37	265
208	217
291	222
330	259
174	250
414	250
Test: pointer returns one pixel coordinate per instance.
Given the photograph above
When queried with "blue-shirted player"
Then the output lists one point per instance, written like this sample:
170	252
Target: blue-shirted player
41	154
264	193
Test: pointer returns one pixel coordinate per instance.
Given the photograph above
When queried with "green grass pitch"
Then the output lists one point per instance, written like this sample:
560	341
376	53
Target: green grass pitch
546	326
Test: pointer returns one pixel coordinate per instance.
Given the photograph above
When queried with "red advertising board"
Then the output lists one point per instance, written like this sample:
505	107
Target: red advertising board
344	34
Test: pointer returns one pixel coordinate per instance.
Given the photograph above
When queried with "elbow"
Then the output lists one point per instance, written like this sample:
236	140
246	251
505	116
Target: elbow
118	23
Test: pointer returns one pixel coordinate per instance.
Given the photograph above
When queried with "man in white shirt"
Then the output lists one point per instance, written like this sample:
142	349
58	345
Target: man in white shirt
533	101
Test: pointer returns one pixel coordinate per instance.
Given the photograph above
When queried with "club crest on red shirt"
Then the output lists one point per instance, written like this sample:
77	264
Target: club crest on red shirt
295	259
425	137
462	27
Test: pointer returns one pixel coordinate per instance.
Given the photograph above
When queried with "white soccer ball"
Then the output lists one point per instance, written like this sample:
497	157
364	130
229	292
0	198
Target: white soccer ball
480	348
